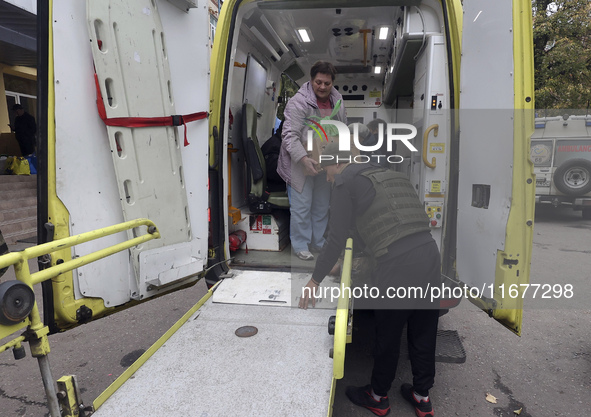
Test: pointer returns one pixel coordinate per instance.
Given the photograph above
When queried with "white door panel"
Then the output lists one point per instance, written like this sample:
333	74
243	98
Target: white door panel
156	64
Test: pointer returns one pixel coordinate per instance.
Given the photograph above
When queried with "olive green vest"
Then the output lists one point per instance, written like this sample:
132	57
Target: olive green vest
395	212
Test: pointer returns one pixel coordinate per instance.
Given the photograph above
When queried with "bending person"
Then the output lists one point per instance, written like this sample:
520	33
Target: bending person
382	206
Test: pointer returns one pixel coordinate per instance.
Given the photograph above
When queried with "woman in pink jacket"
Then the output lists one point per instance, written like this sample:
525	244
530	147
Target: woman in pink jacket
307	188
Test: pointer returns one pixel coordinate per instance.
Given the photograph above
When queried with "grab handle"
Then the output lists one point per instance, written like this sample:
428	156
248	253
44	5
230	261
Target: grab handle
435	129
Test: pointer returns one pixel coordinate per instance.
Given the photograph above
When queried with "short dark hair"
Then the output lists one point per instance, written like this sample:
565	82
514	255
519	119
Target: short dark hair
16	107
323	67
374	125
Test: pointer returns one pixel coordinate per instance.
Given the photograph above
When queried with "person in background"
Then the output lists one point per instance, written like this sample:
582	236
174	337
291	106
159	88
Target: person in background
308	191
374	128
383	208
367	138
25	129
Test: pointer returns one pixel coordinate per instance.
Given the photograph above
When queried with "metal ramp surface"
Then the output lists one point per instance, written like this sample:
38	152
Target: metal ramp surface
205	369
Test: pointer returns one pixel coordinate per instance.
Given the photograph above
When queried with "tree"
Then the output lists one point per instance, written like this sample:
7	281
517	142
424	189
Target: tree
562	53
287	90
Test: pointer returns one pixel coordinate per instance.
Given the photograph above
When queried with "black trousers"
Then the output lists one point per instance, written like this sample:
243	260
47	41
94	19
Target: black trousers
26	145
419	267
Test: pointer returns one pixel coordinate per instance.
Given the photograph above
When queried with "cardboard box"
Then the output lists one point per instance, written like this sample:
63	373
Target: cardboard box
9	145
267	232
319	145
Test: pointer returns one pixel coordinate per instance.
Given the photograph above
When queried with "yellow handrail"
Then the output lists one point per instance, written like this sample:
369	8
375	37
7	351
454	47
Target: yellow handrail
342	318
13	343
433	162
21	264
37	332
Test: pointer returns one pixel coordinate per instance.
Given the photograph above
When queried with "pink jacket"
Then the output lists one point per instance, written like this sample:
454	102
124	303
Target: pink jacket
293	146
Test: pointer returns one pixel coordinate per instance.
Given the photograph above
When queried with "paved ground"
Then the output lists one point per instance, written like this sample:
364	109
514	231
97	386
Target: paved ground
545	373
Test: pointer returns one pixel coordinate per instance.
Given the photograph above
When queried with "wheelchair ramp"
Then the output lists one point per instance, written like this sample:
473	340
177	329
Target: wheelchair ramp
206	369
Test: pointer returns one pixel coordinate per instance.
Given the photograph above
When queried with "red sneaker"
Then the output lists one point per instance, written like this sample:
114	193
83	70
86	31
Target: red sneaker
362	397
422	408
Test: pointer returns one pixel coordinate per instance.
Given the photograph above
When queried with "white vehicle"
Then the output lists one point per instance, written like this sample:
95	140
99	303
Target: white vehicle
116	163
561	152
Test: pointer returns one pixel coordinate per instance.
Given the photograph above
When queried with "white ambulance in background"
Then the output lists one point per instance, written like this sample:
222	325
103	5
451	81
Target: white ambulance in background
561	153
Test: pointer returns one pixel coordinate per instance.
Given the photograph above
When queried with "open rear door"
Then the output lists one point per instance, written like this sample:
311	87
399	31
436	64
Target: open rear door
496	183
118	71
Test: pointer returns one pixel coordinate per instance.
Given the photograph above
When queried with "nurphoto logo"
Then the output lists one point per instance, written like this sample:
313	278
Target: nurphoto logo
392	133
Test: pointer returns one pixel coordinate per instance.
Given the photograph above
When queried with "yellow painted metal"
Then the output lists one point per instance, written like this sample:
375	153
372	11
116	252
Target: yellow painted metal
342	325
37	337
16	343
519	232
37	334
455	16
19	258
57	213
435	129
218	67
95	256
331	399
67	397
100	400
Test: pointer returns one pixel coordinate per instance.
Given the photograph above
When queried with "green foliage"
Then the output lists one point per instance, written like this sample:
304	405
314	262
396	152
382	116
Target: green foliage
562	53
287	91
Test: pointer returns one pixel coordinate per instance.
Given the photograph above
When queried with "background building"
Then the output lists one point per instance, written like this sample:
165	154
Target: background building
18	60
214	13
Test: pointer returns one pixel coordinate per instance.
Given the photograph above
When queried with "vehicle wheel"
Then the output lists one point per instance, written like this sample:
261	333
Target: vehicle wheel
587	214
573	177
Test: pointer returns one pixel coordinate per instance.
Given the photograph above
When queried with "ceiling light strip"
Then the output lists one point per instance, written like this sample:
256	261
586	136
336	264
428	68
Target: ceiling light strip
304	36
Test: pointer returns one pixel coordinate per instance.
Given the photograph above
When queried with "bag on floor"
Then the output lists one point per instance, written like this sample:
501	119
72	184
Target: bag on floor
32	163
17	165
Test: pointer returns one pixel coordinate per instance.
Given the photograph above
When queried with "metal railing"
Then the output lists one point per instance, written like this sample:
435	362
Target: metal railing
36	333
342	333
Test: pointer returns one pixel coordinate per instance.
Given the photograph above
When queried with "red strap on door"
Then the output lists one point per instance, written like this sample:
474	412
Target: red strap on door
175	120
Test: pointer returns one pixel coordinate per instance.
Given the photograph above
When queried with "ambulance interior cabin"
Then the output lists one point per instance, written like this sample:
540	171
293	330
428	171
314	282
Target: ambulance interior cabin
392	64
